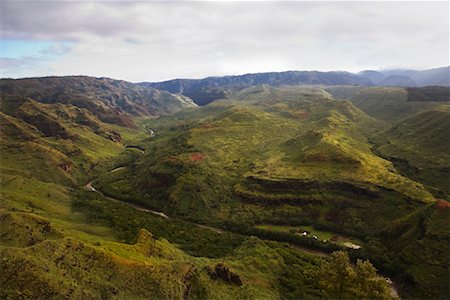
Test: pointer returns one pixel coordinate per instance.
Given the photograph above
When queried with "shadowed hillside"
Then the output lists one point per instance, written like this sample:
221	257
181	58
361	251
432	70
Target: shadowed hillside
203	91
419	147
394	104
112	101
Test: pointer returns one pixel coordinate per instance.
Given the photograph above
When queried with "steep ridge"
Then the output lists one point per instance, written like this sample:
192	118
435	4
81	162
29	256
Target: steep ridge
204	91
112	101
419	147
419	244
60	138
209	89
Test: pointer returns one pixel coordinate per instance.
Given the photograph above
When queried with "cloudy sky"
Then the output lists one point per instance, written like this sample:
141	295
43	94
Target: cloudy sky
153	41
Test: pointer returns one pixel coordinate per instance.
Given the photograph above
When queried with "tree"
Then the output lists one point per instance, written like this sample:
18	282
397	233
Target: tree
341	280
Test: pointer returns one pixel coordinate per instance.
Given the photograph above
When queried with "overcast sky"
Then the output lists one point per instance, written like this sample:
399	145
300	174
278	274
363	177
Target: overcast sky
153	41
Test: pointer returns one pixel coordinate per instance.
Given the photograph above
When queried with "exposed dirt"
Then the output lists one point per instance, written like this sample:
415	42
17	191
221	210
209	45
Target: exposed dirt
208	125
300	114
441	204
197	156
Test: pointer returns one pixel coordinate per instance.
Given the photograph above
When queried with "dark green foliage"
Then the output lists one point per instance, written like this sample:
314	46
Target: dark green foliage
429	93
222	272
419	246
286	237
298	279
418	147
340	280
127	221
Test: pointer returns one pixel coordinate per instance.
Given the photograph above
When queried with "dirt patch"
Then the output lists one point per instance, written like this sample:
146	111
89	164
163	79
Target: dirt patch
208	125
300	114
197	156
441	204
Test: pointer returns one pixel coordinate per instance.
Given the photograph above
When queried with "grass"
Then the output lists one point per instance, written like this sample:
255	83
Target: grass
419	148
256	146
389	104
288	156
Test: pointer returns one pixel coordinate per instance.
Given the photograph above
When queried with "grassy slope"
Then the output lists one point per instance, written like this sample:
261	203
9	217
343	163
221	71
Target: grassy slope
294	155
419	146
197	166
420	245
388	103
50	250
112	101
264	134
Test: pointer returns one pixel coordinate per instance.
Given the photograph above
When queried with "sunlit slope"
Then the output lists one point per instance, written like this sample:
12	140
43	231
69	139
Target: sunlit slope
59	239
49	250
56	143
43	260
267	146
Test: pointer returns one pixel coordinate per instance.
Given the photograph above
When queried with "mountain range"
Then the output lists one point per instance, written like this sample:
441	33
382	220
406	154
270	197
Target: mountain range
203	91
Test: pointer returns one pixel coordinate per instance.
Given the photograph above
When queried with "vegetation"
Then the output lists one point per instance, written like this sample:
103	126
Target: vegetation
429	93
389	104
112	101
77	190
418	147
419	245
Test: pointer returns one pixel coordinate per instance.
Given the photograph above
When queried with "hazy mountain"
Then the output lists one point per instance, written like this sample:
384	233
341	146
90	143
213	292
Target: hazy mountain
200	89
438	76
374	76
397	80
203	91
409	78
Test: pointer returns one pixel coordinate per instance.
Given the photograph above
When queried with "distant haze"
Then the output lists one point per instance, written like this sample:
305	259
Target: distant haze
154	41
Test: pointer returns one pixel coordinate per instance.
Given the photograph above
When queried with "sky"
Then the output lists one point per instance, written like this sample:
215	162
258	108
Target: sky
155	41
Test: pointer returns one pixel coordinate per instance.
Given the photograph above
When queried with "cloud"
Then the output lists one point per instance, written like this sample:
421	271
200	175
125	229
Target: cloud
141	41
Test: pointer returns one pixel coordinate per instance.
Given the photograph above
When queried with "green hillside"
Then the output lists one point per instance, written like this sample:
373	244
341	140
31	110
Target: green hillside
290	157
112	101
419	245
390	104
419	147
246	197
58	240
228	151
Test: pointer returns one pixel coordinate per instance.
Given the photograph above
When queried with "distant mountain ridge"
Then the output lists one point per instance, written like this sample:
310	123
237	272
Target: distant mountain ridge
420	78
209	89
206	90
